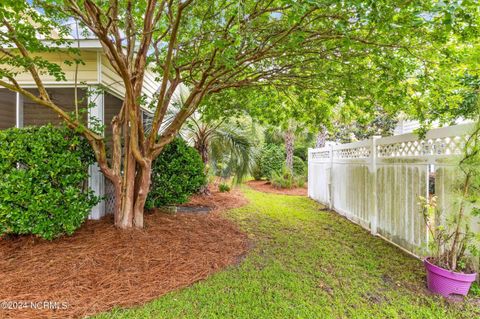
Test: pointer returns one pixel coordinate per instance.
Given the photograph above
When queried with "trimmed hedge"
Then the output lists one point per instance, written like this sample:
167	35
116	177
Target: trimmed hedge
43	174
176	174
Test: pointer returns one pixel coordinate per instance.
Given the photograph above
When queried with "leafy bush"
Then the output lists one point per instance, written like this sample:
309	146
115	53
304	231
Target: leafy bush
298	166
302	152
223	188
256	172
176	174
272	160
43	174
256	169
285	179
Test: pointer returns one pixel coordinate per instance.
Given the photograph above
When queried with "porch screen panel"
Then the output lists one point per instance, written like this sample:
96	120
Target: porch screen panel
36	115
8	101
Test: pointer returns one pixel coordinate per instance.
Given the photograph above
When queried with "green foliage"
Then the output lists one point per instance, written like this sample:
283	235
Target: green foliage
299	166
475	289
356	123
43	174
223	188
301	152
453	241
176	174
227	144
285	179
272	159
256	169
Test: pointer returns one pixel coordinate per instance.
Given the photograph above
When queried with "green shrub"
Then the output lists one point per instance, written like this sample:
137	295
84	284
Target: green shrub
299	167
285	179
300	181
257	172
256	169
223	188
43	174
302	152
176	174
272	160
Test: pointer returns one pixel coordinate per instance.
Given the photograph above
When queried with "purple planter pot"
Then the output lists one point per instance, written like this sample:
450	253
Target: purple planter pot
446	282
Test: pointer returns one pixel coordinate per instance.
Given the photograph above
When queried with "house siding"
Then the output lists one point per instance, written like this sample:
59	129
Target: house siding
114	82
87	72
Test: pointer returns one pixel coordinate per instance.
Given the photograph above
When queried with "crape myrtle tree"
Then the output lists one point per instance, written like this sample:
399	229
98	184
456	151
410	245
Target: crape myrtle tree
207	46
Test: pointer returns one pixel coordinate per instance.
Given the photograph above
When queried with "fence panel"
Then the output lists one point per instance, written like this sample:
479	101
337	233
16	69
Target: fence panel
351	181
319	183
377	182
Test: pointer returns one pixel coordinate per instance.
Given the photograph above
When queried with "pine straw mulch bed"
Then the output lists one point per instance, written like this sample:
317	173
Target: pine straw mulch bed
101	267
267	187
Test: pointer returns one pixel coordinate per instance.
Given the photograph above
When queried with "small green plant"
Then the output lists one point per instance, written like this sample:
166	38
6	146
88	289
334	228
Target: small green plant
176	174
300	181
283	179
453	241
223	188
286	179
475	289
43	181
299	166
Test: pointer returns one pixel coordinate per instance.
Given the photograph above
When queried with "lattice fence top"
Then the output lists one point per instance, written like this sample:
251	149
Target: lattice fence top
352	153
435	147
321	154
441	142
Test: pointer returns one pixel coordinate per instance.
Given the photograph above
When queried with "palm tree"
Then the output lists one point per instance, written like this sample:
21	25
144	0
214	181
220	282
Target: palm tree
287	134
225	146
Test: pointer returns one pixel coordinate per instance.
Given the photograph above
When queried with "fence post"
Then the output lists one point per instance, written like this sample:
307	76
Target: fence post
373	163
309	173
330	179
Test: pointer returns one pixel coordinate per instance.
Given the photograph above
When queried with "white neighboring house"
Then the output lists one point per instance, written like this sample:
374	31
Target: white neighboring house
95	73
405	126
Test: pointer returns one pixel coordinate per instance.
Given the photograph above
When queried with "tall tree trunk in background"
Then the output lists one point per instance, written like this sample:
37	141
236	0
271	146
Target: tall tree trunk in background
289	146
321	137
201	145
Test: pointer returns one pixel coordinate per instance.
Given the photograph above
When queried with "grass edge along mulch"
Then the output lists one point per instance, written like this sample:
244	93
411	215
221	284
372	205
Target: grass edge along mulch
267	187
101	267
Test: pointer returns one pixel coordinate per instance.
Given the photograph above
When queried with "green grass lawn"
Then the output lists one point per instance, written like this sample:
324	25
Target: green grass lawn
306	263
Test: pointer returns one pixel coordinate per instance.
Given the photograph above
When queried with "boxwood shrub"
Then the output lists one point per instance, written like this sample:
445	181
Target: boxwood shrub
43	174
176	174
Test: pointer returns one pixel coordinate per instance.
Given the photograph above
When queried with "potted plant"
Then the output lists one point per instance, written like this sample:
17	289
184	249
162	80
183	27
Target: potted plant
453	244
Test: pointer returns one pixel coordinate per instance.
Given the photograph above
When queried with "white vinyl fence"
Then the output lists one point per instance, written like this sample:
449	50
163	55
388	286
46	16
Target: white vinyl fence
377	182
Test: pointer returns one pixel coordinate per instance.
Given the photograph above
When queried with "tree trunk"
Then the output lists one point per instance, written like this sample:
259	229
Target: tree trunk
143	185
131	194
127	199
133	184
289	145
321	137
201	145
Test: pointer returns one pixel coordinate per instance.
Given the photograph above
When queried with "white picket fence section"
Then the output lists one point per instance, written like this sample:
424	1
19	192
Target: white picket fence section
377	182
